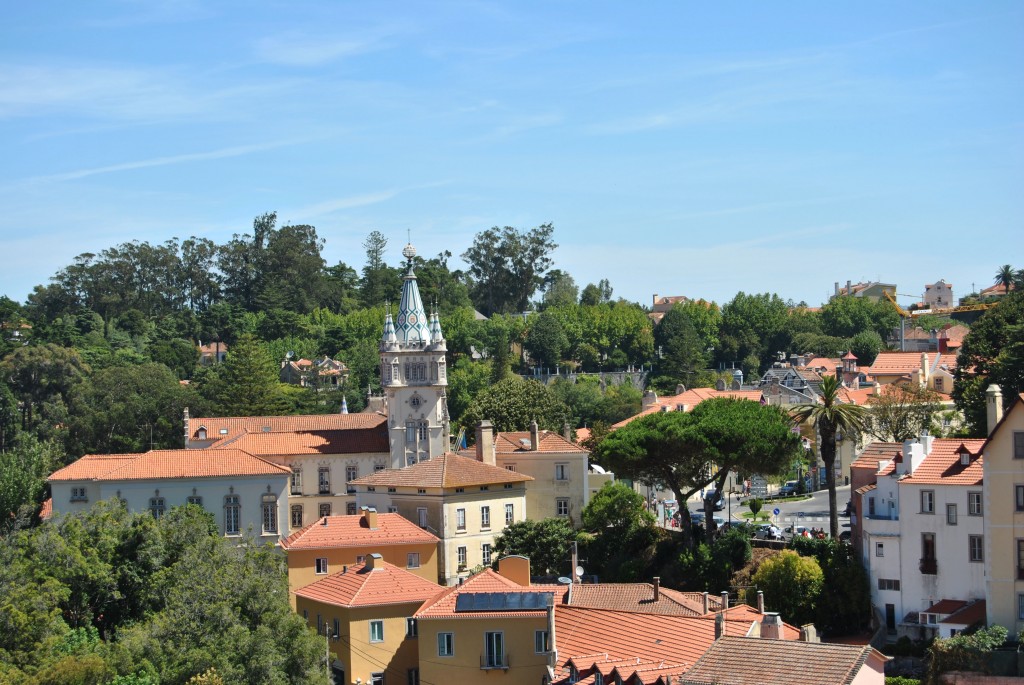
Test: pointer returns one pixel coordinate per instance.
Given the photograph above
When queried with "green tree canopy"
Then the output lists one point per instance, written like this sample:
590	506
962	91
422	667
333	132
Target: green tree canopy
511	404
791	584
507	266
547	543
247	383
901	412
617	509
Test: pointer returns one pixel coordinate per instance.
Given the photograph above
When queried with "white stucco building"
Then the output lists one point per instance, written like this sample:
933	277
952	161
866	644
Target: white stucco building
923	534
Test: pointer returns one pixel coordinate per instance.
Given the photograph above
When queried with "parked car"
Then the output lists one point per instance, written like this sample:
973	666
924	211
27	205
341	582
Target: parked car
790	488
716	497
767	531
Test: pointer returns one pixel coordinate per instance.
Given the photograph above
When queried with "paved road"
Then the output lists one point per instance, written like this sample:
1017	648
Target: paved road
812	512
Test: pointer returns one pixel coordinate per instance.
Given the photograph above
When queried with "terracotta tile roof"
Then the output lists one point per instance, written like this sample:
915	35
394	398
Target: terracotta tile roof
46	511
690	398
905	363
353	531
942	465
997	289
158	464
758	661
969	615
442	605
360	586
875	453
331	441
92	466
582	434
632	635
946	606
860	396
446	471
237	425
827	363
507	443
639	597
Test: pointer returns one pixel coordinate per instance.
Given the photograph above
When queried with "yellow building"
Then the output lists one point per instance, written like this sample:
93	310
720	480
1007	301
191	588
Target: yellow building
467	503
334	542
491	626
560	469
1004	512
365	615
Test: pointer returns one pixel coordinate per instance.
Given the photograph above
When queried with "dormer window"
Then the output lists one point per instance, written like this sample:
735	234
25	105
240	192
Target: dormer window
201	433
965	455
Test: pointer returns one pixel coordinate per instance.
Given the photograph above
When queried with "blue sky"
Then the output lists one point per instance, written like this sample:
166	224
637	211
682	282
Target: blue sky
678	148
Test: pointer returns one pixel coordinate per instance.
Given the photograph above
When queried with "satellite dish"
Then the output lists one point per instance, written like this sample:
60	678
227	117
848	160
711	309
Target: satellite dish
562	580
579	571
291	353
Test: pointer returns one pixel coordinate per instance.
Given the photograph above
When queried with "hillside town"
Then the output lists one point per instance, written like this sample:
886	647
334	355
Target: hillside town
420	551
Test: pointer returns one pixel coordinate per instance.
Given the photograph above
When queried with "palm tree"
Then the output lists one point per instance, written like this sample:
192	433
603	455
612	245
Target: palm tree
830	416
1005	277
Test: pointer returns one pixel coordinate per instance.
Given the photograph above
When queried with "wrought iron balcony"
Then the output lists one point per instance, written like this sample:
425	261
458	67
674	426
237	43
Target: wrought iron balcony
494	661
929	566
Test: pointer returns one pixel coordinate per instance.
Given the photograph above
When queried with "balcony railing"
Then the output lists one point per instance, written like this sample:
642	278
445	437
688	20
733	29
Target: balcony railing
325	488
929	566
489	661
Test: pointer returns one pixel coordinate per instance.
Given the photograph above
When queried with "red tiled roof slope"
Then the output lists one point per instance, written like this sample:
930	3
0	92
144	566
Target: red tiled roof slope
353	531
330	441
167	464
443	604
905	363
690	398
549	442
942	465
236	425
91	466
639	597
446	471
360	586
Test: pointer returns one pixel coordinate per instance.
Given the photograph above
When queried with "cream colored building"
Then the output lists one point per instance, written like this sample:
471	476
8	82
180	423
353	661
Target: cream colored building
244	493
465	502
1004	512
364	614
563	480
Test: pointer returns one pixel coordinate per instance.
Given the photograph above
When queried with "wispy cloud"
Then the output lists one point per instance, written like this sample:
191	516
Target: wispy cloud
302	49
764	206
325	207
223	153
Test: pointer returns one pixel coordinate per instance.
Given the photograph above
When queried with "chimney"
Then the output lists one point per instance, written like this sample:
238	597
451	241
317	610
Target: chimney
994	405
534	437
552	650
485	442
760	602
344	569
323	522
924	369
516	568
926	441
373	561
704	601
719	625
809	633
913	456
566	432
185	421
837	289
725	600
849	288
657	588
771	626
370	516
650	399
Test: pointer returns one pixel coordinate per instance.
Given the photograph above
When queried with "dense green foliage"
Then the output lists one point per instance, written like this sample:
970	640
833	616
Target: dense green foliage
547	544
993	352
106	594
791	584
844	606
966	651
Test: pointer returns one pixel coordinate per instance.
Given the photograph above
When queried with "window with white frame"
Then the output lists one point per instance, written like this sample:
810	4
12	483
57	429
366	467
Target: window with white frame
974	504
510	514
951	514
411	627
410	432
889	584
976	548
232	515
296	516
540	642
324	480
157	506
351	473
446	644
940	383
879	549
194	499
562	506
377	631
561	472
485	517
78	495
927	501
494	649
269	513
460	556
325	509
321	565
485	552
296	480
460	519
412	560
511	467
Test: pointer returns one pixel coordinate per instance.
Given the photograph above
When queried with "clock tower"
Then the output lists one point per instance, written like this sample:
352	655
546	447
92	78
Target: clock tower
414	377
